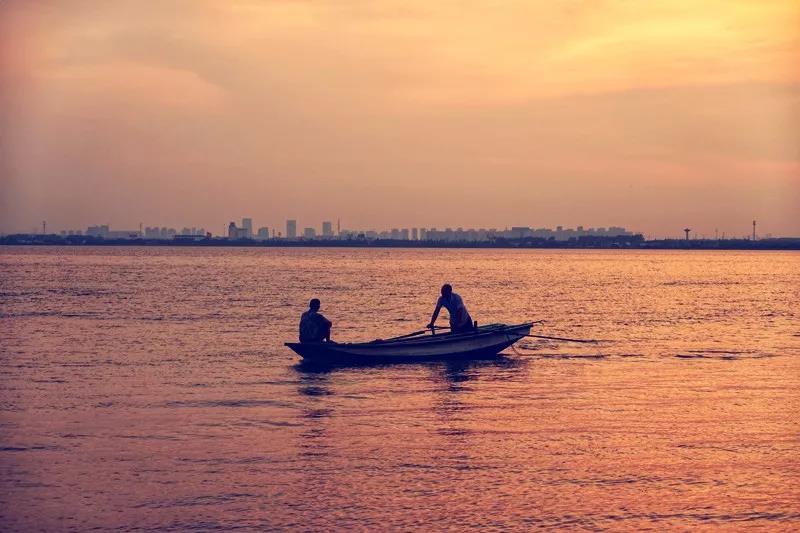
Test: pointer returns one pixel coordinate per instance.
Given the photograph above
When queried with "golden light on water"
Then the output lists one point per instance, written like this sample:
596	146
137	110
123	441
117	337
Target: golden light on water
149	387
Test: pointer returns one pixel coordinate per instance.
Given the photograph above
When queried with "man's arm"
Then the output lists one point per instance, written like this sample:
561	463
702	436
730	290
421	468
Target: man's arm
435	313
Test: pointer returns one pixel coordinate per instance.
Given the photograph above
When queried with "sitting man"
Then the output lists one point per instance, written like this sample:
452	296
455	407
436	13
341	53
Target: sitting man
314	327
460	321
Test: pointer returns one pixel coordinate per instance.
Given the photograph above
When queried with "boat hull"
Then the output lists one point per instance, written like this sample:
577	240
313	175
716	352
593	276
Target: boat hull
487	341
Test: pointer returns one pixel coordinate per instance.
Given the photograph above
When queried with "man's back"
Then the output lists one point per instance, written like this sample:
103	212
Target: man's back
454	305
459	317
312	326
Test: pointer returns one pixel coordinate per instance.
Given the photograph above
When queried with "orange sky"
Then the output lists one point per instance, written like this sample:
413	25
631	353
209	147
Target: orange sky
654	115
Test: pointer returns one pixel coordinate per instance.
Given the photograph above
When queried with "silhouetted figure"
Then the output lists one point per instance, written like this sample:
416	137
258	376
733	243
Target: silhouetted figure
460	320
314	327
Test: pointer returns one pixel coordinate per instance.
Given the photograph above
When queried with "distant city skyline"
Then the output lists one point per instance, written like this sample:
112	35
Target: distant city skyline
245	229
251	226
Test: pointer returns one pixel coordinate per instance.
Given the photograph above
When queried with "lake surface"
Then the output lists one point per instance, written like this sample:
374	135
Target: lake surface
149	388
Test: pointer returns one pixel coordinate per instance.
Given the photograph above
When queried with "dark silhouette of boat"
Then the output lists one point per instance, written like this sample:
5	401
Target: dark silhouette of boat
484	341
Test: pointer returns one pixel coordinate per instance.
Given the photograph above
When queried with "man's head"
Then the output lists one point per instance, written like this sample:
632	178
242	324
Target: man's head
314	304
447	290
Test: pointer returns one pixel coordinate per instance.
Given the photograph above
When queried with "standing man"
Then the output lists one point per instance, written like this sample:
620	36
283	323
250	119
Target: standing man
314	327
460	321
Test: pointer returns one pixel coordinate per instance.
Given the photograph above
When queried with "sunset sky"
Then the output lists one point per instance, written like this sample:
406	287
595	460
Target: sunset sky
654	115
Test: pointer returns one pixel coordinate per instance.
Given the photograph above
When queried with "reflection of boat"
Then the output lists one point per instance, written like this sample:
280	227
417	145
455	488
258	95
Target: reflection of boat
485	341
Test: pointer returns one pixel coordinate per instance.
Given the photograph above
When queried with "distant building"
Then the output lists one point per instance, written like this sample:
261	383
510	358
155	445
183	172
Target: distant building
520	232
309	233
327	230
404	234
124	234
167	233
263	234
414	234
97	231
291	229
247	226
104	232
237	233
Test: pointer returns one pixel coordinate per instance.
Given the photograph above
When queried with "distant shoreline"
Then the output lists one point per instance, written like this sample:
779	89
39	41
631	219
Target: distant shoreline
634	242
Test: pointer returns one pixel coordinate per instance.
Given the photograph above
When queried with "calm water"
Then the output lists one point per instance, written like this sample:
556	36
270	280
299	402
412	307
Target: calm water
149	389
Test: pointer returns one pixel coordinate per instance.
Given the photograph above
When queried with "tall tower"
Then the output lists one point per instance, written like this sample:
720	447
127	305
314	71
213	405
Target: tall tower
247	225
291	229
687	230
44	227
754	230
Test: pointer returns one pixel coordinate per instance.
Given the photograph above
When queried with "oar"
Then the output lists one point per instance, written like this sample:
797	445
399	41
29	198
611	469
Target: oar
416	333
410	334
562	339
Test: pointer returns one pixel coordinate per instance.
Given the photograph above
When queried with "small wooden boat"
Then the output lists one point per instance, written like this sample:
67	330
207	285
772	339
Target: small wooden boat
485	341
